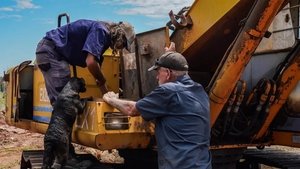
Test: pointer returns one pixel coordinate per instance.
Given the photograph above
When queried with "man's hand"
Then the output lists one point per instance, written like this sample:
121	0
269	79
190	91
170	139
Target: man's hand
124	106
110	95
171	48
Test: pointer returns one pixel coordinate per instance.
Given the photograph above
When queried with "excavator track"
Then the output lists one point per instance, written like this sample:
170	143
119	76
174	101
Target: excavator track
271	157
33	159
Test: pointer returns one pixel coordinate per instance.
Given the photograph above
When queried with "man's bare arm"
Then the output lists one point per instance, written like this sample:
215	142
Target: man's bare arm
95	70
124	106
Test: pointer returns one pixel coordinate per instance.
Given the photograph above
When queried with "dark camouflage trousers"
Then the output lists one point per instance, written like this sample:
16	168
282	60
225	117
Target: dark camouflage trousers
55	70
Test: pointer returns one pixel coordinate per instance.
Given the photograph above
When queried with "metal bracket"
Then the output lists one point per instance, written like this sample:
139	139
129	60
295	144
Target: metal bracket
185	21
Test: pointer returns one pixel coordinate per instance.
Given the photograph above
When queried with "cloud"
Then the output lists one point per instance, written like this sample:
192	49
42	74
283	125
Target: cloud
26	4
155	23
6	9
10	16
45	21
149	8
20	4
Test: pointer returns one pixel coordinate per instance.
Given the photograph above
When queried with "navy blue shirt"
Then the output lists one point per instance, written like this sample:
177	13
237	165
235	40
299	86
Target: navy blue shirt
74	40
181	113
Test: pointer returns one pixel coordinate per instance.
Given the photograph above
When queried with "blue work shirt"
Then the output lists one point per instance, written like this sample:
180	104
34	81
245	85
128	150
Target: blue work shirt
74	40
181	113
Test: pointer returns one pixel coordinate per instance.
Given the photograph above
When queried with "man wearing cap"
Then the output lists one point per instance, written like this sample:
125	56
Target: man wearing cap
80	43
180	108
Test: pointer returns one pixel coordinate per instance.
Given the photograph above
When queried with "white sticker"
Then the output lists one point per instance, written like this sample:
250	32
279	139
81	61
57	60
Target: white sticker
296	139
43	95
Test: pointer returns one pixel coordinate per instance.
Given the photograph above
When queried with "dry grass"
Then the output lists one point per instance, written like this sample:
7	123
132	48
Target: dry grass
2	104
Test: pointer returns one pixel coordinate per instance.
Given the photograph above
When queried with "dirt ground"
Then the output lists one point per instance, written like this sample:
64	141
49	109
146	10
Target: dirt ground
14	140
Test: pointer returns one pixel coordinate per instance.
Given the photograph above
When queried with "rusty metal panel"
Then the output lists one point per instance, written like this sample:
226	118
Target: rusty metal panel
215	26
129	77
255	27
204	14
283	36
149	46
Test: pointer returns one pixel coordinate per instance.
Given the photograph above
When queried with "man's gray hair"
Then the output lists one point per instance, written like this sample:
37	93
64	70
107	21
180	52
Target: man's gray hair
178	73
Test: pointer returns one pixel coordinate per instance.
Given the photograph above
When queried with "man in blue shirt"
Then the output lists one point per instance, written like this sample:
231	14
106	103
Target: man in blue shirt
80	43
180	108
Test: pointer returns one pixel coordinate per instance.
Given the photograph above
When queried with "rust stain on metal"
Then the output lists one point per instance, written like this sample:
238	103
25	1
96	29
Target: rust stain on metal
241	54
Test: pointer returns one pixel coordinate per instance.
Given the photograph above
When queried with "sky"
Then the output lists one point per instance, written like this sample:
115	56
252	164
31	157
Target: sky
24	22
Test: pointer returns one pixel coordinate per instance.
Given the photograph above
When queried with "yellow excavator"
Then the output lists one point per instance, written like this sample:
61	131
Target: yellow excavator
246	53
